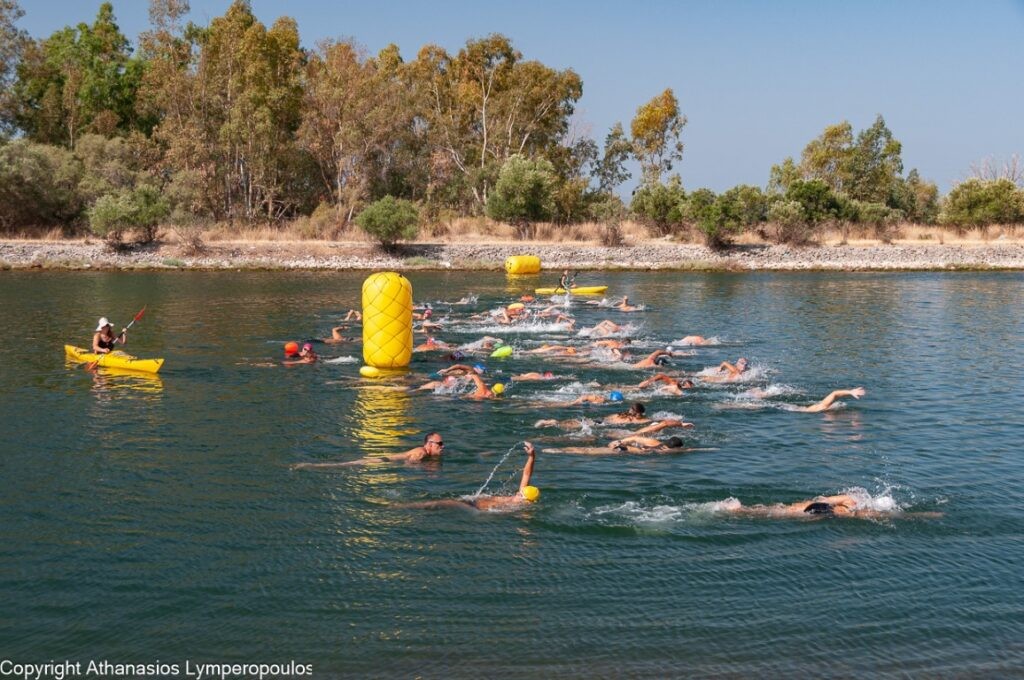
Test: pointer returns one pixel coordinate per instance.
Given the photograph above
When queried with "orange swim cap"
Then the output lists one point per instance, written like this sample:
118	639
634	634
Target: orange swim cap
291	348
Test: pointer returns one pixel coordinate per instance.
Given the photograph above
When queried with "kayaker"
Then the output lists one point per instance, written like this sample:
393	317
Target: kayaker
103	339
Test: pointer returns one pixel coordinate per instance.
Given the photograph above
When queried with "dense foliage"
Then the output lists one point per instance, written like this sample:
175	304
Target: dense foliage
236	122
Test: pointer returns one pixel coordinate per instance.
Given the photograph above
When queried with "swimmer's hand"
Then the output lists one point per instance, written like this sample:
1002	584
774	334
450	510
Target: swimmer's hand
857	392
530	450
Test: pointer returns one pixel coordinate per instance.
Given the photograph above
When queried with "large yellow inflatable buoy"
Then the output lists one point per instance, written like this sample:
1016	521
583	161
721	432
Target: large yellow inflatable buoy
387	321
522	264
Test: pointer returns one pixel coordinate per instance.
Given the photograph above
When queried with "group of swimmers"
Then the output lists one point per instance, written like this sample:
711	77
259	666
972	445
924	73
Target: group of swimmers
608	342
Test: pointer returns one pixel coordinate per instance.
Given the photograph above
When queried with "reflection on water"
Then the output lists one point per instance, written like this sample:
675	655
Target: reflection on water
112	382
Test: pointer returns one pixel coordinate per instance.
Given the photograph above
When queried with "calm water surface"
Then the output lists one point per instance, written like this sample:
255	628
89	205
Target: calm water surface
145	519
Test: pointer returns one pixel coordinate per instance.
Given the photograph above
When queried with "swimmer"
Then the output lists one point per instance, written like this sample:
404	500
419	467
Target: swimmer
427	313
430	345
693	340
656	358
564	350
427	326
624	306
668	384
611	344
337	337
729	372
305	356
482	390
535	376
462	369
636	413
433	447
354	314
527	494
827	402
841	505
606	327
630	445
587	399
448	382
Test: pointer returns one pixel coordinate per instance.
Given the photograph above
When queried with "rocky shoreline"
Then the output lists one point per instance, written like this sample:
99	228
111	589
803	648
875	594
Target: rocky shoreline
323	255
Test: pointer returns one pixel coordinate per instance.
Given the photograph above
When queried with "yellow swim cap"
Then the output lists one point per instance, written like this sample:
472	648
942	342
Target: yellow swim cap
531	493
498	388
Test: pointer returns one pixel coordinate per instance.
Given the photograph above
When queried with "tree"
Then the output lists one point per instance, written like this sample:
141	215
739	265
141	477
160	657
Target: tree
486	104
828	157
874	164
79	79
611	167
347	119
659	206
522	195
656	131
782	175
389	220
12	44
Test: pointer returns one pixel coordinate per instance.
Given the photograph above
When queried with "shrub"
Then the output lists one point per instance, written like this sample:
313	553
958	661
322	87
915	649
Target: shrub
743	207
140	210
659	206
703	209
879	216
789	222
389	220
523	194
609	211
38	185
979	203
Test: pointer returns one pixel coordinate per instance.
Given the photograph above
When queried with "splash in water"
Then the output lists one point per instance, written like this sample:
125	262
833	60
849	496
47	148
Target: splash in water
491	476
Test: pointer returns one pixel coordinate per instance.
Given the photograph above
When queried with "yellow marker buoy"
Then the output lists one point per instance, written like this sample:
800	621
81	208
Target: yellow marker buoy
387	320
522	264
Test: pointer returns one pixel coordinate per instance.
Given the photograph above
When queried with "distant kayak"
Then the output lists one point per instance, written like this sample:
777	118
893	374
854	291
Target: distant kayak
113	360
580	290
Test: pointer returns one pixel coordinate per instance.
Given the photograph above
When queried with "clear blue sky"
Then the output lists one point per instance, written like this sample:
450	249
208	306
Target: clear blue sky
757	79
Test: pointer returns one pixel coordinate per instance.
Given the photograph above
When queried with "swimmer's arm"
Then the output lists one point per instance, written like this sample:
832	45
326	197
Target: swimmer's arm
726	366
531	456
457	368
656	427
640	440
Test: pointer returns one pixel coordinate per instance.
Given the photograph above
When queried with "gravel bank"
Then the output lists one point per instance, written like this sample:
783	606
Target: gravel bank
650	255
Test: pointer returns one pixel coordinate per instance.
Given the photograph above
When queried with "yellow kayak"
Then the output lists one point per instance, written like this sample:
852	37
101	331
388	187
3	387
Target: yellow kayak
579	290
114	360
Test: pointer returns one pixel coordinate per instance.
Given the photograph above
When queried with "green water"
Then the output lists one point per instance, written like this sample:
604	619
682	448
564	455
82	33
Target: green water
146	519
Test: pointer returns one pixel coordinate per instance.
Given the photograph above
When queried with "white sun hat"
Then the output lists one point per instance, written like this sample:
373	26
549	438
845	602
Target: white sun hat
102	324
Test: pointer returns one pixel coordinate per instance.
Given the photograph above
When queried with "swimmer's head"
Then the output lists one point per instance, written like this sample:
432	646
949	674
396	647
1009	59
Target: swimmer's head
661	360
685	384
307	347
428	313
615	395
637	409
457	355
430	341
549	374
674	443
669	349
741	363
530	494
479	368
498	388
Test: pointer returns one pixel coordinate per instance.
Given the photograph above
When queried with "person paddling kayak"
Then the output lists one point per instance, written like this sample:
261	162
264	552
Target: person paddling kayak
103	339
